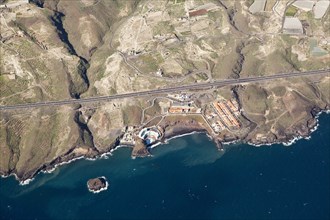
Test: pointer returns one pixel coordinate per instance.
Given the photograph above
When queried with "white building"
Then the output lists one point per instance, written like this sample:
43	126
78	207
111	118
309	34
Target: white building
305	5
150	135
292	26
257	6
321	8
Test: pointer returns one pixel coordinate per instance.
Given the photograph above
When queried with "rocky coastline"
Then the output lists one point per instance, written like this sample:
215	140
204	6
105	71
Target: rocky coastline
59	161
49	71
140	149
173	132
295	134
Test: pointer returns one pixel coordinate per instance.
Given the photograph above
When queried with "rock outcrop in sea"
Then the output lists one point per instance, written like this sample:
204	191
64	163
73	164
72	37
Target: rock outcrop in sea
97	185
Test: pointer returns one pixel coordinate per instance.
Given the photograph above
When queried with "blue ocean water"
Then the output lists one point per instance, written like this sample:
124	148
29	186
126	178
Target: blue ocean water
188	178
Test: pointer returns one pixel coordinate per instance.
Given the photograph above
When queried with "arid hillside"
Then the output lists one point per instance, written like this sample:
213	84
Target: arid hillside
59	49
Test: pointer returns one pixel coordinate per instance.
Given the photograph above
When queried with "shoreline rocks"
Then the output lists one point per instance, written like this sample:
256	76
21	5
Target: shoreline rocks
174	130
97	185
140	149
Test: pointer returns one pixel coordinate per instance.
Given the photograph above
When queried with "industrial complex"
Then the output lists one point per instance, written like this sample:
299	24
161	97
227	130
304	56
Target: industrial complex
220	115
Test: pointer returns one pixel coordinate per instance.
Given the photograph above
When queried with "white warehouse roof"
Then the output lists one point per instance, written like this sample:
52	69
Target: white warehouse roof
292	26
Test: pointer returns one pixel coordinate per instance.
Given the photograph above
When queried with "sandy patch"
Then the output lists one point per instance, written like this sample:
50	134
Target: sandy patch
87	3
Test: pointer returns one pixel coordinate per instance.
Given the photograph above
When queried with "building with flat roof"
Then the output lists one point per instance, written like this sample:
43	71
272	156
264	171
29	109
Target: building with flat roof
306	5
292	26
257	6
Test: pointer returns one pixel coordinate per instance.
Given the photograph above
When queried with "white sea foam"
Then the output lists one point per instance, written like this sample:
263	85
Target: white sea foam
26	182
49	170
285	143
292	141
155	145
166	141
299	137
209	136
182	135
231	142
102	189
295	139
60	164
21	182
106	154
102	156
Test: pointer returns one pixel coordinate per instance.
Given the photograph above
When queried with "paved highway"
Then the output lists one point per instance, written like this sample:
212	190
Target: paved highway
164	90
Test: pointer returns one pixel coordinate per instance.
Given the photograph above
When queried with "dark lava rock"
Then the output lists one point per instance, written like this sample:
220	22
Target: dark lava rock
97	184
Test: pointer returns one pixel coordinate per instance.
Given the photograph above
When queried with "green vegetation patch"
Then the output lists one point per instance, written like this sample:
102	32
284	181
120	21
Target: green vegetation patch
42	134
176	11
308	91
282	61
291	11
180	1
132	115
154	110
163	27
5	151
13	139
215	16
325	89
252	66
279	90
149	63
38	68
285	120
224	92
154	121
202	76
254	99
10	87
287	39
27	49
